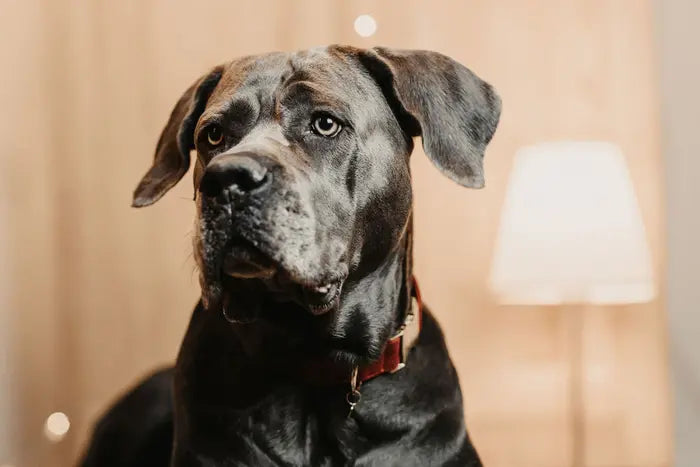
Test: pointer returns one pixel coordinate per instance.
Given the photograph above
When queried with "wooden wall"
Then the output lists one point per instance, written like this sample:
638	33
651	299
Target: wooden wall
95	294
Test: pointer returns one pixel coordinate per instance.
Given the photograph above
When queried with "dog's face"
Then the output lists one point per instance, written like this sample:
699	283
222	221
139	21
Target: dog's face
302	172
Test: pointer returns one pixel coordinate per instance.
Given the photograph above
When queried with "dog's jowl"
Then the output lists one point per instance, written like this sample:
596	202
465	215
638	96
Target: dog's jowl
310	345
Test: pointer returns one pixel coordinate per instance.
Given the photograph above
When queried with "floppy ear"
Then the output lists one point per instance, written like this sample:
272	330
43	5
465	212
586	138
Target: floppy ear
172	158
454	111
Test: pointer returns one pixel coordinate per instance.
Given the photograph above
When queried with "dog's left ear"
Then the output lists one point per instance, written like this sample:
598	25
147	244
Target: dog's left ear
451	108
172	158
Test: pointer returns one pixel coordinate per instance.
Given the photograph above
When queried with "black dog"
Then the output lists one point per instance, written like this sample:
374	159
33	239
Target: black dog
295	354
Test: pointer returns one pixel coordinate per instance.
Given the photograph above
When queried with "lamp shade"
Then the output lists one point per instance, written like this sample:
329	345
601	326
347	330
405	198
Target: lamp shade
571	230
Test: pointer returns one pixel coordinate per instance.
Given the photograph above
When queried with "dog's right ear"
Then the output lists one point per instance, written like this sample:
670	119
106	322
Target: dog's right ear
172	158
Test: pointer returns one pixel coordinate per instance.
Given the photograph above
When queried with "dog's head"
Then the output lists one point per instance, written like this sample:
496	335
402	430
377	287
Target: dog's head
302	163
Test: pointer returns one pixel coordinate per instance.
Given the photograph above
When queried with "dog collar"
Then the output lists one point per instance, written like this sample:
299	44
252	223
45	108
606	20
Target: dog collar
395	353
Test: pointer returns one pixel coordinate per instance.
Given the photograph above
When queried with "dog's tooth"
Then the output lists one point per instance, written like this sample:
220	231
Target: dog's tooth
323	289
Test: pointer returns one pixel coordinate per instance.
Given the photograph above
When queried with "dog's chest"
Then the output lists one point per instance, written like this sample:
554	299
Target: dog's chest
230	411
289	427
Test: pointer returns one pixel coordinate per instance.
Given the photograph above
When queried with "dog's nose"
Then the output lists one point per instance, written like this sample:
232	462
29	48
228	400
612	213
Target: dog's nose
239	172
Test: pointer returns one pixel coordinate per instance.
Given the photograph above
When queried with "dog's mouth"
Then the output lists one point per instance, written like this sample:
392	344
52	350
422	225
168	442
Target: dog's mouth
246	261
323	298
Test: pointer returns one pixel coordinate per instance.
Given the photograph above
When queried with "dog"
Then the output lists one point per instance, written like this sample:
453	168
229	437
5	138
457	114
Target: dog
298	352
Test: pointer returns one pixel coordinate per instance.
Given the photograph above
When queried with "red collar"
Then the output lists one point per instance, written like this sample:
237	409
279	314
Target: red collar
393	357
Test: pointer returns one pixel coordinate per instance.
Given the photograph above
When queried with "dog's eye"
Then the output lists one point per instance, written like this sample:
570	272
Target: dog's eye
214	135
325	125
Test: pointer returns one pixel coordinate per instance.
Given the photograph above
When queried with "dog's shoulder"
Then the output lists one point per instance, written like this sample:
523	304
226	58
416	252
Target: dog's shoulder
138	429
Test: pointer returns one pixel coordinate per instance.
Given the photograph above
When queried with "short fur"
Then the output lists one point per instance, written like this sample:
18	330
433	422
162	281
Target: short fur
319	210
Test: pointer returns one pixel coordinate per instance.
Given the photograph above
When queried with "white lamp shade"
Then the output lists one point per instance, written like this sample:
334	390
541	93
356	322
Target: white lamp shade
571	231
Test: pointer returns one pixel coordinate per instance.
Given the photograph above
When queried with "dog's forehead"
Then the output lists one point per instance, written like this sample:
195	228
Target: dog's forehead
334	68
332	65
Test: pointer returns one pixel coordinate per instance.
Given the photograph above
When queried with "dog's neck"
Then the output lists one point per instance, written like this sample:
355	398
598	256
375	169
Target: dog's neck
372	308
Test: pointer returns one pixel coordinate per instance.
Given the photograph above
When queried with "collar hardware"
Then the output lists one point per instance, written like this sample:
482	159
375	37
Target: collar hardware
408	334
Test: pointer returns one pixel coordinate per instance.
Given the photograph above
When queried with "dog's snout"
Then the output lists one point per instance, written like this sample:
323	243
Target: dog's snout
240	172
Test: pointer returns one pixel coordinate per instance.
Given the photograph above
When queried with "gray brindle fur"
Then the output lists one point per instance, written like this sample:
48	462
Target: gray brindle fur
303	244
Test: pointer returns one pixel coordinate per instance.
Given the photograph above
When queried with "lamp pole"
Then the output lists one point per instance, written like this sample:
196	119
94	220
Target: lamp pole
574	316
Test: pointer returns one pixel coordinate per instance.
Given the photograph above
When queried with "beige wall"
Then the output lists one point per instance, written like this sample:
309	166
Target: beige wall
680	74
100	293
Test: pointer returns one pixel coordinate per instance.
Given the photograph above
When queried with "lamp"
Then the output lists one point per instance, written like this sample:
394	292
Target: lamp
571	234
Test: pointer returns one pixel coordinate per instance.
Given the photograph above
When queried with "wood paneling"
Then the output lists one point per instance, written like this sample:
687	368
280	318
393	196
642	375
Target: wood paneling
100	293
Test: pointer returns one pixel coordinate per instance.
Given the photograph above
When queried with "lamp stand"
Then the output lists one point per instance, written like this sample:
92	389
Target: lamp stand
575	320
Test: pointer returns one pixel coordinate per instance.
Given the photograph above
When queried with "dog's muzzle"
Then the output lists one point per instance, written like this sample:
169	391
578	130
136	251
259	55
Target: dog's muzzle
233	182
255	223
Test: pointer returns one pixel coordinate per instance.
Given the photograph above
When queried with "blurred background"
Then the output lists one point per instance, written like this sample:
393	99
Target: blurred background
602	369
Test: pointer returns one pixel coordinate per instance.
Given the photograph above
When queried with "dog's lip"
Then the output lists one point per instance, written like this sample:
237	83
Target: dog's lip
321	299
244	261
